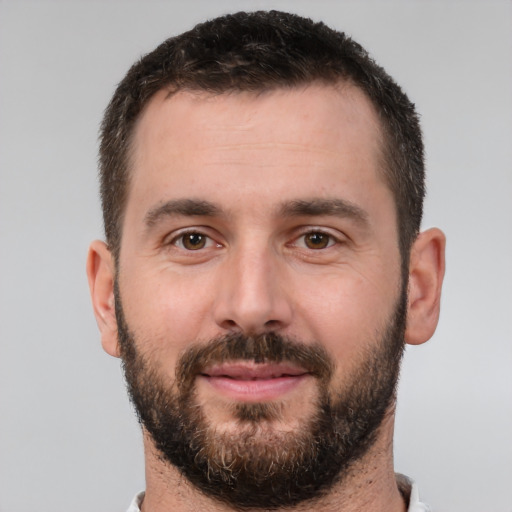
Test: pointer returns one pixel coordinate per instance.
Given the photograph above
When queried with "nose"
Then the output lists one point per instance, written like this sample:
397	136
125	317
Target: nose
252	294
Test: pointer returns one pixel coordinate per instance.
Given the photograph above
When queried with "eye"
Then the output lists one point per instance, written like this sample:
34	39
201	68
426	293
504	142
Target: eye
316	240
193	241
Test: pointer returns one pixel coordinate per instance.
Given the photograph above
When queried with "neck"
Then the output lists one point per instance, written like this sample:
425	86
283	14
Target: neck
369	485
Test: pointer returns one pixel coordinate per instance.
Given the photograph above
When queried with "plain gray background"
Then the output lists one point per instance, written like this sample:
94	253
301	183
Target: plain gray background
68	438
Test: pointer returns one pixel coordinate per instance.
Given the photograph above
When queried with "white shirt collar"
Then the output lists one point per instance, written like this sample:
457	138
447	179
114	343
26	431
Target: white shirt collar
407	487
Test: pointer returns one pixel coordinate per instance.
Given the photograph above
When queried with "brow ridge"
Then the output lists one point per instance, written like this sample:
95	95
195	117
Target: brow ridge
317	207
185	207
314	207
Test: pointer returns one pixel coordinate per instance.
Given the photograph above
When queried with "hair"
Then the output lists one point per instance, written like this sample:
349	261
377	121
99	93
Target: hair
256	52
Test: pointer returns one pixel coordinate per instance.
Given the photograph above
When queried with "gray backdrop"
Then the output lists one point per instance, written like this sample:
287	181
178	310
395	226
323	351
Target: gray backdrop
68	437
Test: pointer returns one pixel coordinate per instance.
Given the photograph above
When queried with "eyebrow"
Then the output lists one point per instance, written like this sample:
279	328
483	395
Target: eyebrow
330	207
184	207
297	208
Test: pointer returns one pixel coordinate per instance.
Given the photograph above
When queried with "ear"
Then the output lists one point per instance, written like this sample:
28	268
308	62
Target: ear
100	273
426	272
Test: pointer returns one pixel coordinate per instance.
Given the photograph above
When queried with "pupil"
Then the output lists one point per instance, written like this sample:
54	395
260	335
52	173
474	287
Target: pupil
194	241
317	240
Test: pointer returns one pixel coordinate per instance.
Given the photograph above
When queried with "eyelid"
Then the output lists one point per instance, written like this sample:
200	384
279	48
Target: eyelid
336	238
173	238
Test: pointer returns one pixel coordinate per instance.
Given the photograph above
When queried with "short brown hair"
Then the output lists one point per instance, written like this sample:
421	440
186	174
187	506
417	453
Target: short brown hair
255	52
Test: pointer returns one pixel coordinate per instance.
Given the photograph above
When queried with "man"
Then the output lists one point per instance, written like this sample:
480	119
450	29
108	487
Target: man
262	184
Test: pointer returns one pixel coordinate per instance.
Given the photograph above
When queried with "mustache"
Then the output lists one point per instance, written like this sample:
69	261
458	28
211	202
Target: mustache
263	348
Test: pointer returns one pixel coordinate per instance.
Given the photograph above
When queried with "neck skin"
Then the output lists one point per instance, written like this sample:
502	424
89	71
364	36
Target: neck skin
370	485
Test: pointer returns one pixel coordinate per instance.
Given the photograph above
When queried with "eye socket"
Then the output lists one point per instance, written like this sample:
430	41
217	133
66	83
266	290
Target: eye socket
192	241
315	240
195	241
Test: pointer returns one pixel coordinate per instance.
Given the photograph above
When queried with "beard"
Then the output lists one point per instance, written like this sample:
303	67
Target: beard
259	465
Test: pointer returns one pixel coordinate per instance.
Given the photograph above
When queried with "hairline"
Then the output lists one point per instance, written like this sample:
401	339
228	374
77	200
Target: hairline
383	154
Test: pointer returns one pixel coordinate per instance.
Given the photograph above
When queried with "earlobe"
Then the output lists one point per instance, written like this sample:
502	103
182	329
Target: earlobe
426	272
100	273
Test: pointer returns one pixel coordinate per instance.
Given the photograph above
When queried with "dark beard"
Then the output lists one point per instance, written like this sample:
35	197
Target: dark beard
259	466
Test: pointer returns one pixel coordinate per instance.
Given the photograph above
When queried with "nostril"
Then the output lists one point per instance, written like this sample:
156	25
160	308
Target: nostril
272	323
230	325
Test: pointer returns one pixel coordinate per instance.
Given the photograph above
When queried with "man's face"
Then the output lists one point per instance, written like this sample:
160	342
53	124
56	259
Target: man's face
258	281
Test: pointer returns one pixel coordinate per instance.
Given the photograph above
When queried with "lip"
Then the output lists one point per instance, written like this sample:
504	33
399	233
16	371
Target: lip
251	382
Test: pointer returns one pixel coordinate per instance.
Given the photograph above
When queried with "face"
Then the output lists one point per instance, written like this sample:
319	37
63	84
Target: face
259	296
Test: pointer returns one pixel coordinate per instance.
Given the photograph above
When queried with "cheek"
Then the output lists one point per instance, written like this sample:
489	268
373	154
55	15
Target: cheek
347	314
165	310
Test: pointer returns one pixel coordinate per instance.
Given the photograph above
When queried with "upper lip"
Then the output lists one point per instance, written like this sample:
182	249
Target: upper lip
254	371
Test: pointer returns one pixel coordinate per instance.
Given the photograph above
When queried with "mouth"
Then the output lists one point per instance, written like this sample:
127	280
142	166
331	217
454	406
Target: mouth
252	382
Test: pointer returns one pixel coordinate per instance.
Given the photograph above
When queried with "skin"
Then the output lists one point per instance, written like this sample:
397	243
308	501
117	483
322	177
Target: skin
251	156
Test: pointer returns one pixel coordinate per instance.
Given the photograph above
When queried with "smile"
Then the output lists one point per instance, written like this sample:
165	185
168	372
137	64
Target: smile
250	382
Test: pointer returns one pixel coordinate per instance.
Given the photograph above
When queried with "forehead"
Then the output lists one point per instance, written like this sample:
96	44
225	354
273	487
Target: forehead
315	136
326	109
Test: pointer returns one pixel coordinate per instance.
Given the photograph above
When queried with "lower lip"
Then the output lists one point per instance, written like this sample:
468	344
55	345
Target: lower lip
255	390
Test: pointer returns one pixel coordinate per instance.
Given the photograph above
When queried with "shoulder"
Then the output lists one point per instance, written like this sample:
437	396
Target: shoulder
409	491
136	503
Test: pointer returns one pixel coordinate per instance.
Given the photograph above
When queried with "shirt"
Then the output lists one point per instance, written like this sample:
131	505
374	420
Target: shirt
407	487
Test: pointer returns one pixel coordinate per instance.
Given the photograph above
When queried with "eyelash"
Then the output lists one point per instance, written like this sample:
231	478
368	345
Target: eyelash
179	240
331	239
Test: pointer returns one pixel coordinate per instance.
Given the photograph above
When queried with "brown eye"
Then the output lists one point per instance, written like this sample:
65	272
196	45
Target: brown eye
317	240
193	241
